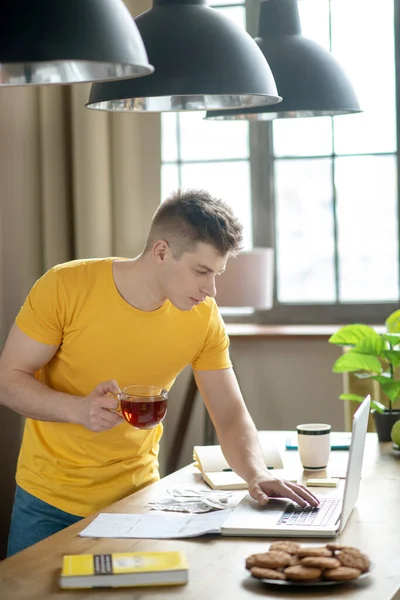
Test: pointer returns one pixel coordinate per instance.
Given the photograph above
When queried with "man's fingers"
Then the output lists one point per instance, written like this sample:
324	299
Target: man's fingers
304	492
109	419
292	495
260	492
259	495
110	386
110	416
283	489
108	402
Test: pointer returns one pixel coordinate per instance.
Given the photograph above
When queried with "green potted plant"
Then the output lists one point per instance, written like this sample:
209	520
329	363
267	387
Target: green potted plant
374	356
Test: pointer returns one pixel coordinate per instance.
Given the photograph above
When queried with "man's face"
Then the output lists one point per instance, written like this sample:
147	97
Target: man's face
188	280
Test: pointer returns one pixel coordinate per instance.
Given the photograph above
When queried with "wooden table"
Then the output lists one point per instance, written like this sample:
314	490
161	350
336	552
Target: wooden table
217	563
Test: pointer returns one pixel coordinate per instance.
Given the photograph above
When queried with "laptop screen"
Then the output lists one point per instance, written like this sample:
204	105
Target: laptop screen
354	464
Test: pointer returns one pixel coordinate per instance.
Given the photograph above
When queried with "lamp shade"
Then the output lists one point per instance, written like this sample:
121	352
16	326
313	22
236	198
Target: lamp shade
202	60
248	280
69	41
310	80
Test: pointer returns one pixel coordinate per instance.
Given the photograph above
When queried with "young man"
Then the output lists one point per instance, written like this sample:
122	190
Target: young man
90	327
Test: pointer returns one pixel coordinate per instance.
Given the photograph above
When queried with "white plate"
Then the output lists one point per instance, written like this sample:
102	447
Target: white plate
322	583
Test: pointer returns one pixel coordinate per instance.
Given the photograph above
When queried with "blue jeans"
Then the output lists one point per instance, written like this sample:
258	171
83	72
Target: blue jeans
32	520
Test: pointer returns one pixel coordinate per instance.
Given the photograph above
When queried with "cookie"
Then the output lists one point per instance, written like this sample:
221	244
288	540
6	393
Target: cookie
322	562
251	561
355	560
290	547
342	574
317	551
261	573
272	560
290	560
336	547
301	573
340	547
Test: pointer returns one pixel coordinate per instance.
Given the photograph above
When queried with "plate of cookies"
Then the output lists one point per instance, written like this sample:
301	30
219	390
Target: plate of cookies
290	563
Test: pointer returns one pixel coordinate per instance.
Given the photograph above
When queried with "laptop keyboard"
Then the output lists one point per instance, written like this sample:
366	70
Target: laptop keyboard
309	515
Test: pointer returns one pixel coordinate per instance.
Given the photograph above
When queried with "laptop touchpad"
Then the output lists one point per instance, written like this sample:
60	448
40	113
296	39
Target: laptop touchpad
248	509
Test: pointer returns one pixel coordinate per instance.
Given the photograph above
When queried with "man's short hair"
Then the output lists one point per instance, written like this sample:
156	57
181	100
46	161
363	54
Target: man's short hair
189	217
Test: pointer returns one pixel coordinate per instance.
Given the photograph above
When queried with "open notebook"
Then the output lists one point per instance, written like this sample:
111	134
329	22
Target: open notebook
216	472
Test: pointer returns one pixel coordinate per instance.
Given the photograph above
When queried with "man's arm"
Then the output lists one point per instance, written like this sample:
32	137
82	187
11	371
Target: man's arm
19	390
238	437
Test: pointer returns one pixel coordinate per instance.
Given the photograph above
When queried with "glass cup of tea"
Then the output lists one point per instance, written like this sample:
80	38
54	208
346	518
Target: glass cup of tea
142	406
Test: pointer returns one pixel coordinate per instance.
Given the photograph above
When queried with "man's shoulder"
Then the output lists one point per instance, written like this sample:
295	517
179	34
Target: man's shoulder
81	264
81	268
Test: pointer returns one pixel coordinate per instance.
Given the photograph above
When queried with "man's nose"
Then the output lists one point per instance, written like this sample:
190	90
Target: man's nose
209	289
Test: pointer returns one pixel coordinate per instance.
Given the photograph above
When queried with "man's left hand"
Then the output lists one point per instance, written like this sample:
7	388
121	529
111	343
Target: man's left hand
262	488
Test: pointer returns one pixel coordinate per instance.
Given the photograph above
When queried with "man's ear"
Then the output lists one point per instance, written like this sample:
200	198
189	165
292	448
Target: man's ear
161	250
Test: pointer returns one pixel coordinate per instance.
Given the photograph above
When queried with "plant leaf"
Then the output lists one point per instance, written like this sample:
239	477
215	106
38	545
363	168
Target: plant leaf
364	375
382	378
392	323
378	406
393	356
353	397
393	339
395	402
391	389
371	344
354	361
350	335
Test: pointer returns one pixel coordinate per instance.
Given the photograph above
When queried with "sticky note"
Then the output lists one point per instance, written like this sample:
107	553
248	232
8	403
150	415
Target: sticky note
323	482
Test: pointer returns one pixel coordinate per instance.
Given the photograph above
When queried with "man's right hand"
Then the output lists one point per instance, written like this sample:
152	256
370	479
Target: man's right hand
94	410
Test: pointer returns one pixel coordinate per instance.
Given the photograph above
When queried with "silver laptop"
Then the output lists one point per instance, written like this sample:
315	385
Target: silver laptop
283	518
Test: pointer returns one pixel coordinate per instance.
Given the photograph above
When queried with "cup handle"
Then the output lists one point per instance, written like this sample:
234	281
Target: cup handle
117	397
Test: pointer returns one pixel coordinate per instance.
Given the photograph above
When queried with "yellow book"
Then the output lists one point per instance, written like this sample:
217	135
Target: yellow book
123	569
216	472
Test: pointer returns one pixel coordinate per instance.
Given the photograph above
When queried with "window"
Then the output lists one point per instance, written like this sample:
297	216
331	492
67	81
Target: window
323	192
210	155
332	189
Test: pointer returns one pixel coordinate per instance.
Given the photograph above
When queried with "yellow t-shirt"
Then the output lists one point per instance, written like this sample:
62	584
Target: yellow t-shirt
102	337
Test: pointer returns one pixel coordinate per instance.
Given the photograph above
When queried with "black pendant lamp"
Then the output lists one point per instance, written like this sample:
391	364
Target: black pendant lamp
202	60
309	78
69	41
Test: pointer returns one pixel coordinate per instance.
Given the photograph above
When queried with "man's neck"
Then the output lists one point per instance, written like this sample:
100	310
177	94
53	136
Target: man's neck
136	283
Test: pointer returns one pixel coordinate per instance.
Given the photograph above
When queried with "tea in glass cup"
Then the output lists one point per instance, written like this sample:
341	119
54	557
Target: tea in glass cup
142	406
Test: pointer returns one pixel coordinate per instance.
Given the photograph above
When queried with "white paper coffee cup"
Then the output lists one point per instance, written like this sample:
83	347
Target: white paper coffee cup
314	443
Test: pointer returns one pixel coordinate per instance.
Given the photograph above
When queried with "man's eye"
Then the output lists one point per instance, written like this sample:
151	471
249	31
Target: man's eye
202	272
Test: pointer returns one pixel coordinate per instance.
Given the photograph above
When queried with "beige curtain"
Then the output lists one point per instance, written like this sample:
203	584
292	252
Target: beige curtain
74	183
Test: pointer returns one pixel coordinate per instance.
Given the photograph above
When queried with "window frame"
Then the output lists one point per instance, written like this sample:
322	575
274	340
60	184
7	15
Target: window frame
261	161
263	215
